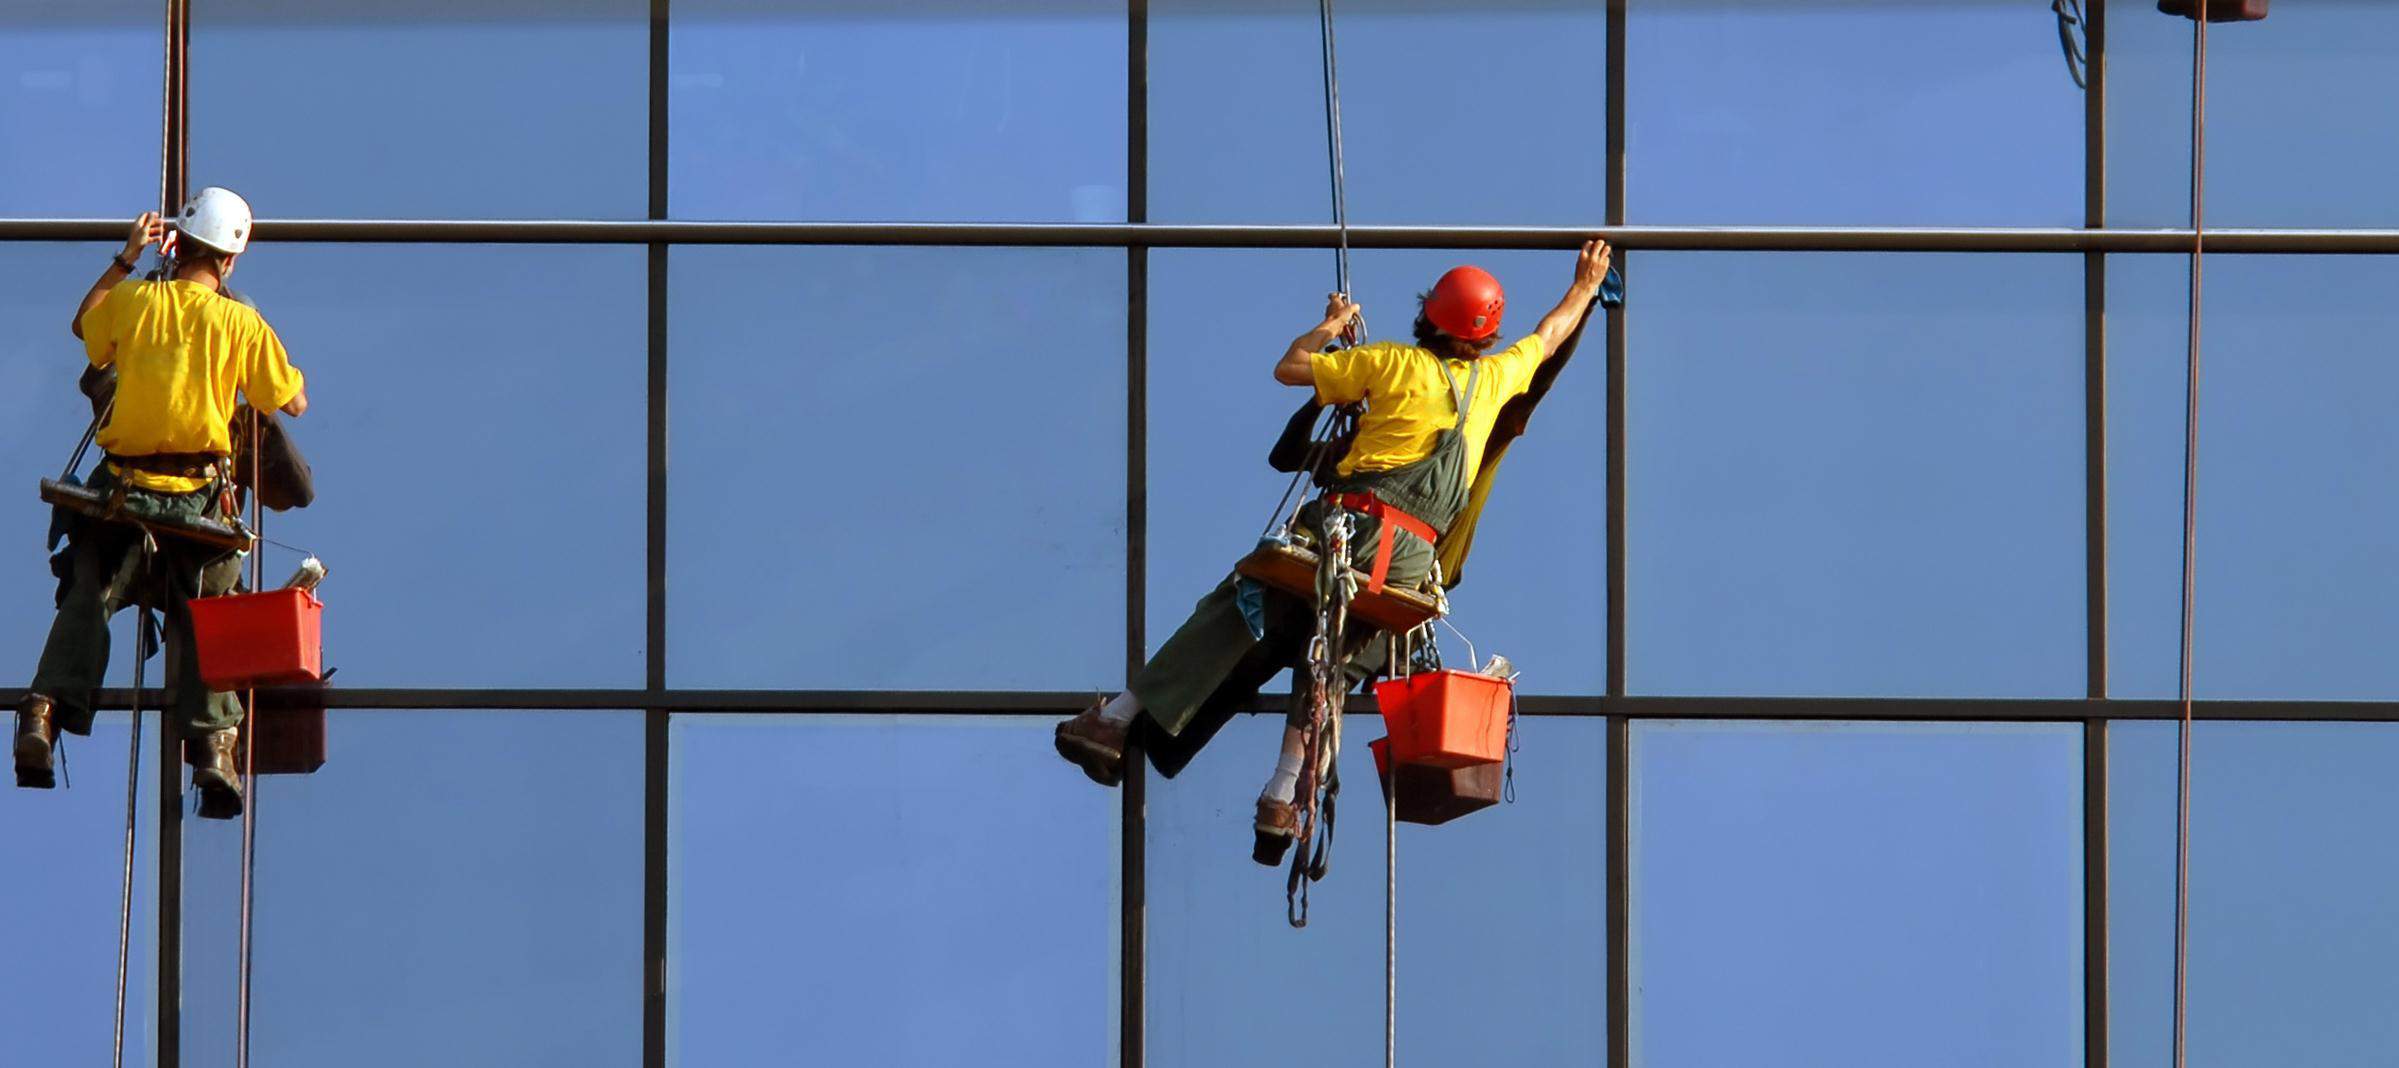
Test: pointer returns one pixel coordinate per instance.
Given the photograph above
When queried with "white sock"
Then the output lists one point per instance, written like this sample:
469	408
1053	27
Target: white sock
1122	709
1284	783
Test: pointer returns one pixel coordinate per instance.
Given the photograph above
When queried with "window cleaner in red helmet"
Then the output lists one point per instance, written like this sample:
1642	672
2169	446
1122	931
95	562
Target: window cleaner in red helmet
1429	410
186	358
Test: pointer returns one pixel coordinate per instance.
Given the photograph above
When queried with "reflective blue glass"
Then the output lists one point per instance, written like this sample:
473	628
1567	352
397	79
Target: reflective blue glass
2291	927
80	108
453	109
1821	112
1502	945
1856	474
2296	594
66	857
1439	106
830	109
897	468
1857	894
448	881
2289	144
870	890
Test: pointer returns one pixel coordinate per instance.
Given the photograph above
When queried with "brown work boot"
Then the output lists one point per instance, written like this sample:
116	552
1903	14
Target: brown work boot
37	743
215	774
1277	823
1094	744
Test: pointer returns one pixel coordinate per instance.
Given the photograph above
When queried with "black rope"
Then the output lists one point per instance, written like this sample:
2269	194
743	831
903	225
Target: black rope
247	776
144	546
1332	138
2070	27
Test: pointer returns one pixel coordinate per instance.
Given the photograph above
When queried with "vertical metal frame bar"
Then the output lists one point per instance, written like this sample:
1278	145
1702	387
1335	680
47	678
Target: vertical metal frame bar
2095	533
176	168
655	721
1133	823
1619	815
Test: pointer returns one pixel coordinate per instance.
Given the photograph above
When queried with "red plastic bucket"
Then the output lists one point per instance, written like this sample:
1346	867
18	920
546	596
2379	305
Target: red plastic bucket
259	639
1447	719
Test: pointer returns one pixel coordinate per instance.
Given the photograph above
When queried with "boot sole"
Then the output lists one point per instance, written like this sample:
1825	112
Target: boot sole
1100	764
219	803
1270	847
34	771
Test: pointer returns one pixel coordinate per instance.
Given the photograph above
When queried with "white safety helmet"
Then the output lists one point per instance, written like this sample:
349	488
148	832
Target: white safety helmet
218	218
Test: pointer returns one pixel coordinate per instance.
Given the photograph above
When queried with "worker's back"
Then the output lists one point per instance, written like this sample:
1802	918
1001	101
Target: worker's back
1408	400
182	354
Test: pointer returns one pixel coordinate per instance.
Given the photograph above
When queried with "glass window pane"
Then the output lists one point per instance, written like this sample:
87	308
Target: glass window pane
41	418
519	109
2149	115
67	865
1450	113
66	844
1823	112
1499	963
476	426
968	918
1857	894
1534	587
80	108
898	468
2286	144
1856	474
479	869
840	110
2291	926
2296	595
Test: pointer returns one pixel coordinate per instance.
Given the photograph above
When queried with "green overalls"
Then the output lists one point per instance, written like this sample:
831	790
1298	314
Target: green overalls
98	574
1213	665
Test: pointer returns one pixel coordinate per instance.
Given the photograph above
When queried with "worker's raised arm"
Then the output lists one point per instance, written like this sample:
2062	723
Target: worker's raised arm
147	227
1590	269
1297	367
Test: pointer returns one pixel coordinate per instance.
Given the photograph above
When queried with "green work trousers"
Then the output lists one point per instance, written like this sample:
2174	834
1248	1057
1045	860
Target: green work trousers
105	572
1213	666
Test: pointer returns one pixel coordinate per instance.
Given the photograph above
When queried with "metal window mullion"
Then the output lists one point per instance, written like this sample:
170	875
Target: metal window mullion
1619	728
176	185
1133	821
2095	534
656	719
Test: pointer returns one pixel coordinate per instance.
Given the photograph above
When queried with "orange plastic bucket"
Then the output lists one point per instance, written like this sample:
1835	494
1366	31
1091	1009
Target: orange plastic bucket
1447	719
259	639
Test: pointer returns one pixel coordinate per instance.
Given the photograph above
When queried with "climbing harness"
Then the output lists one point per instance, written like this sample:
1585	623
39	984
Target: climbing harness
2190	538
1317	801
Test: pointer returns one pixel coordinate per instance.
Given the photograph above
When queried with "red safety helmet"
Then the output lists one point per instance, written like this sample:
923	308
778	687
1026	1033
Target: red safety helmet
1466	303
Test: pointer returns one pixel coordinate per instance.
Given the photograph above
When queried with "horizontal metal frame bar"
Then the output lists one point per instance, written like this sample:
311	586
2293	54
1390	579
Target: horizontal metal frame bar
1155	235
1064	703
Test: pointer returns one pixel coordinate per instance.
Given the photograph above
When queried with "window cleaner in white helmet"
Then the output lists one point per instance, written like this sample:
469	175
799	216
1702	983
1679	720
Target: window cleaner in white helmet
186	358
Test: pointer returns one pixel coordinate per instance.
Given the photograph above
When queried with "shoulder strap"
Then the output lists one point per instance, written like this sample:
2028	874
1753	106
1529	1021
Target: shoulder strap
1462	401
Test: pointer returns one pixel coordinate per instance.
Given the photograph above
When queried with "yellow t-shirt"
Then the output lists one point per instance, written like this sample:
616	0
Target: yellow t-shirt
1408	402
181	352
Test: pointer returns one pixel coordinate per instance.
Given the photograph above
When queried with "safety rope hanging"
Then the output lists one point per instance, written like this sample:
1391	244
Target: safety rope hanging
2190	541
249	768
1328	676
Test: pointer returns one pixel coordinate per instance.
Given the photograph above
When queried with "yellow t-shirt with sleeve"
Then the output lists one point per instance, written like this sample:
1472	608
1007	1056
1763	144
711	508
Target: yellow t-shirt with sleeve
1408	403
182	352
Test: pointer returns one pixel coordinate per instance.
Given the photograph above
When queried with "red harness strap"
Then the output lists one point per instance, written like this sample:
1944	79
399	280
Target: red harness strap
1389	517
